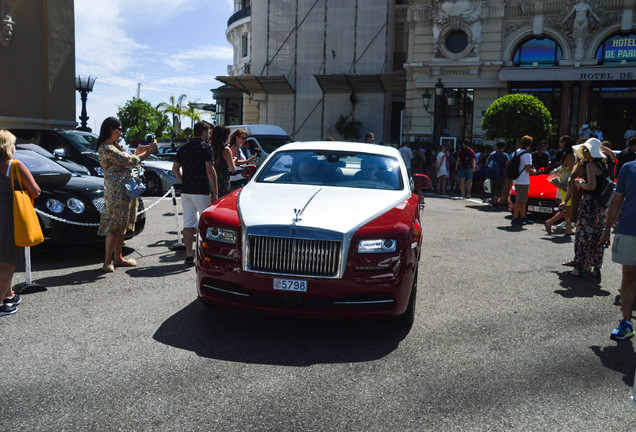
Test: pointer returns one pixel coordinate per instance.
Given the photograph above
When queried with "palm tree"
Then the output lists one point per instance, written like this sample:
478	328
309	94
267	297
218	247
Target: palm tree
176	109
193	113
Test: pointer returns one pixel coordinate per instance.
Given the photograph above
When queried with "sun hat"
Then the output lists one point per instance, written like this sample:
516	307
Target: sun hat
593	146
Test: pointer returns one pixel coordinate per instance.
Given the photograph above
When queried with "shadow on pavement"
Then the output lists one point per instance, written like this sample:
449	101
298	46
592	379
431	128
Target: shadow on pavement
238	336
620	357
584	286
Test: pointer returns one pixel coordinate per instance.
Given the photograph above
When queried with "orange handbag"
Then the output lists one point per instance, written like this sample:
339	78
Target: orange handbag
26	226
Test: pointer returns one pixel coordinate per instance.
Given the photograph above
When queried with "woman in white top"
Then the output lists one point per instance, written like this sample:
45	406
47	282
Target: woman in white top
441	169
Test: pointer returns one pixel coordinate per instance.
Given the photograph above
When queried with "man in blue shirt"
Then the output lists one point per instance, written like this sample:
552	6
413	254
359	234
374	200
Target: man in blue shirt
624	247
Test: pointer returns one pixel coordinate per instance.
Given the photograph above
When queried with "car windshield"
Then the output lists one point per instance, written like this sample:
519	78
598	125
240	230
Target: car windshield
333	168
272	142
84	141
38	164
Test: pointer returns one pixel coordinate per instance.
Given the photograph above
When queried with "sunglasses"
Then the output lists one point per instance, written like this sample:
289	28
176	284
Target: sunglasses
243	136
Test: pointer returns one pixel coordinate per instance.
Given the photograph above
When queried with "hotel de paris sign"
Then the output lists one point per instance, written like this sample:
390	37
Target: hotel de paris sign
594	73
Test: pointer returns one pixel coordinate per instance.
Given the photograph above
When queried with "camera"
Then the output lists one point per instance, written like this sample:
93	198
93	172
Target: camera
150	138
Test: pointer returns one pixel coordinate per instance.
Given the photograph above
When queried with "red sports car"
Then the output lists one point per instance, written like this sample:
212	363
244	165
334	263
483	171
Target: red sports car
322	229
543	196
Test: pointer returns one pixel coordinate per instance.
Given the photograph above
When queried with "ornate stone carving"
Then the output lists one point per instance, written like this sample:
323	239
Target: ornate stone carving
456	14
7	22
583	12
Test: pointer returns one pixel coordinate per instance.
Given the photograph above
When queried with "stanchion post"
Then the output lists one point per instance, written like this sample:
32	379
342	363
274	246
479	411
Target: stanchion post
179	245
29	285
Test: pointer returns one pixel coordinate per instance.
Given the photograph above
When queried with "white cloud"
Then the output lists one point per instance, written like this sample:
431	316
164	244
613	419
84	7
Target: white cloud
184	59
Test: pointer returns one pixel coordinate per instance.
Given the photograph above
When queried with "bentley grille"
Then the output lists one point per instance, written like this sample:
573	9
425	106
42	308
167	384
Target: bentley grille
293	256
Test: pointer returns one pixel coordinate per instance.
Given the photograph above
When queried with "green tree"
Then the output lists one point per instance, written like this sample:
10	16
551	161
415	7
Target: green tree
176	109
515	115
348	128
193	113
139	119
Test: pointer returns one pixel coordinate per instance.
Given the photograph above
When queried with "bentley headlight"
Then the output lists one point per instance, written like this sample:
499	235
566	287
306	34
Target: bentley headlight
221	234
377	246
54	205
75	205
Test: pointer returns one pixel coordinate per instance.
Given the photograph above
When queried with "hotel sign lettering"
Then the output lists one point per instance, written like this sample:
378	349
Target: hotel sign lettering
620	49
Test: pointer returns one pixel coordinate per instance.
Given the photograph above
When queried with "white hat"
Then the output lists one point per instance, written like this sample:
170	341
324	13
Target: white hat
592	145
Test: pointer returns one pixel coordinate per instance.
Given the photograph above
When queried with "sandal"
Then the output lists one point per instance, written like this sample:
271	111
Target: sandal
108	268
126	263
568	263
548	228
596	273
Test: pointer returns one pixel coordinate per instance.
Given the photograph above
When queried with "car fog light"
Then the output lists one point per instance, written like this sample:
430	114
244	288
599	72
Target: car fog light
377	246
54	205
76	205
221	235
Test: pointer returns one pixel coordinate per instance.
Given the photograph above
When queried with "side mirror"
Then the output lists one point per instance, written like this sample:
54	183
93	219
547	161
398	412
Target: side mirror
59	153
249	171
422	182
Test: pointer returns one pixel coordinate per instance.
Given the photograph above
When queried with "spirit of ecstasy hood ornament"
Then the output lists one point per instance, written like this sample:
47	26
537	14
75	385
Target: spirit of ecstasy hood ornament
299	213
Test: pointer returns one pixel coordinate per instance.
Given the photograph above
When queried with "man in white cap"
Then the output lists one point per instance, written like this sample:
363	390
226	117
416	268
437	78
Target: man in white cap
624	247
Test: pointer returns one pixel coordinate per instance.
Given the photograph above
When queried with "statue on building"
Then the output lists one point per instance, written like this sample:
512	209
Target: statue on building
7	23
580	25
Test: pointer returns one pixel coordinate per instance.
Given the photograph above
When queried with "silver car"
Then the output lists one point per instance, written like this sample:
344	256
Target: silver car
158	176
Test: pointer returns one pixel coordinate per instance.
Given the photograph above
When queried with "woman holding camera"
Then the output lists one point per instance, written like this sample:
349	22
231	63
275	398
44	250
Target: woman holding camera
120	211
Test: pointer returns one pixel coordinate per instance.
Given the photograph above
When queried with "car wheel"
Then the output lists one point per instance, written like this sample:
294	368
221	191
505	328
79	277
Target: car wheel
153	184
407	319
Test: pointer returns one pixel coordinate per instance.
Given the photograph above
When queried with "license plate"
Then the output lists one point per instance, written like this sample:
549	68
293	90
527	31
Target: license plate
541	209
290	285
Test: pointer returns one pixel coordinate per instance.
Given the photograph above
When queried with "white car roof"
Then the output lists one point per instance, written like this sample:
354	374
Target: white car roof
343	146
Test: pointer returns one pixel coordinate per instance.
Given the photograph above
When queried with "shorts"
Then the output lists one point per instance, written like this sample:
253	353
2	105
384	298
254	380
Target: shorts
193	206
465	173
624	249
522	193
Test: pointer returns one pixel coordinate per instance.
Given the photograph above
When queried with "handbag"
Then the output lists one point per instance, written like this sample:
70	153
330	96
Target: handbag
134	187
560	178
26	226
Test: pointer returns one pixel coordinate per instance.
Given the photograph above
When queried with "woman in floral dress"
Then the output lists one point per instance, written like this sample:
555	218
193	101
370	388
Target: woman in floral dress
120	211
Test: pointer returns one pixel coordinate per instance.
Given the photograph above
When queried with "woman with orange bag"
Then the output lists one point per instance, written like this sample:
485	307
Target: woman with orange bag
10	254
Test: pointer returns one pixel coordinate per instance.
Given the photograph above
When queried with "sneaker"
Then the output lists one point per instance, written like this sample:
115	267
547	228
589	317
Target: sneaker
189	260
624	330
12	301
517	222
8	310
468	196
528	221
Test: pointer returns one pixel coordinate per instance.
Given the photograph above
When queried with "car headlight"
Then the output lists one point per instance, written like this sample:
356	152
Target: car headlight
168	173
221	234
75	205
377	246
54	205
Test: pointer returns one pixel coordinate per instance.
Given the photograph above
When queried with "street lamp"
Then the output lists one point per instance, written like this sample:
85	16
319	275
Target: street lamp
439	110
84	86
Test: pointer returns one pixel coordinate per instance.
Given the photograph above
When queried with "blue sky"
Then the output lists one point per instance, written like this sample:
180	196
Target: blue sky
171	47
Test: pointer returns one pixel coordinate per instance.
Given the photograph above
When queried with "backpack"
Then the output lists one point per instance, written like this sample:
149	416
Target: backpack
465	159
512	169
492	166
605	190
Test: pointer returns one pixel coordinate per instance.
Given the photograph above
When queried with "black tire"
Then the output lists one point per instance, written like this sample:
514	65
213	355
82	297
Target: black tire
407	318
153	184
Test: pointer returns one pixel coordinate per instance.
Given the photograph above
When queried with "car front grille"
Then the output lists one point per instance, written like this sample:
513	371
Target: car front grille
293	256
543	202
99	204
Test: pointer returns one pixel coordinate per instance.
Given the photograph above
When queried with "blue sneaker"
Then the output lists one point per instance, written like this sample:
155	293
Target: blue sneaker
624	330
528	221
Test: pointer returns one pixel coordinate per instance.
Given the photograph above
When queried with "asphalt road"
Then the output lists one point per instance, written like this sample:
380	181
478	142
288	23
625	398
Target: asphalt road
504	340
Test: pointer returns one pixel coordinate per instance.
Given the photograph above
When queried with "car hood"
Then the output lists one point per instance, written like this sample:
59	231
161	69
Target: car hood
68	182
541	188
324	207
165	165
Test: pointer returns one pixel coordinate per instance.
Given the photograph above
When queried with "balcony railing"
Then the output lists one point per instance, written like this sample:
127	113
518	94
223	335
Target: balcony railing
243	13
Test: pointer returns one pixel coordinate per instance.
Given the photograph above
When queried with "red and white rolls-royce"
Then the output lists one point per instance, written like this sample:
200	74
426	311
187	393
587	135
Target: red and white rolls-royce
323	229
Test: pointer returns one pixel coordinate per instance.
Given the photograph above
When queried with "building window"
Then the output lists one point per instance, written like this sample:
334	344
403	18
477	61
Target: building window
617	50
456	41
244	46
543	52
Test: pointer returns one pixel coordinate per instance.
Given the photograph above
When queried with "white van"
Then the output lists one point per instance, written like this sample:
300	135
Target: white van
263	139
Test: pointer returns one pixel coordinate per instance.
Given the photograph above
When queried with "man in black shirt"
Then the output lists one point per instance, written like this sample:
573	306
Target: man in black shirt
194	168
627	155
541	158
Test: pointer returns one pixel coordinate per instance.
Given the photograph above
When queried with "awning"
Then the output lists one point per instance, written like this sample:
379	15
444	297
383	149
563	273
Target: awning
349	83
251	84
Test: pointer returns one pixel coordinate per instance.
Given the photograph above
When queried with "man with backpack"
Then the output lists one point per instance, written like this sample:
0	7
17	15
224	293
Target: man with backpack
521	164
496	170
465	167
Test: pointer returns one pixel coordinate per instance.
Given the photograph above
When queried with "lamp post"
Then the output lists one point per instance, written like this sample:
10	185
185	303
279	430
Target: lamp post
84	86
439	109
